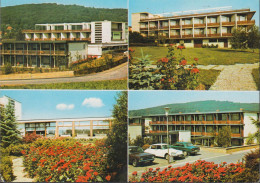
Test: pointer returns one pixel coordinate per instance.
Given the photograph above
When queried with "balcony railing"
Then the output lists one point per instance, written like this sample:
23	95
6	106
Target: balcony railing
213	24
117	29
236	135
186	26
175	26
164	27
246	22
157	131
213	35
33	52
55	31
193	122
143	28
199	25
154	27
199	35
59	39
220	122
196	133
228	23
226	34
187	36
175	36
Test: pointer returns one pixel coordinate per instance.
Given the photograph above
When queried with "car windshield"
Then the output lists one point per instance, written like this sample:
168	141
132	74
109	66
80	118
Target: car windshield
189	144
136	150
164	146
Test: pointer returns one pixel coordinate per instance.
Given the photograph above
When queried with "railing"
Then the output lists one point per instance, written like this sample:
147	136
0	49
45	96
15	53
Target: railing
213	24
152	28
193	122
175	26
236	135
175	36
228	23
196	133
135	124
220	122
199	35
59	39
185	36
164	27
207	122
226	34
213	35
246	22
188	25
143	28
157	131
33	52
199	25
55	31
234	122
117	29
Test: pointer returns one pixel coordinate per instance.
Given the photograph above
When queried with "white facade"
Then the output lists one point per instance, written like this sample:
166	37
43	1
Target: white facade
17	106
249	127
134	131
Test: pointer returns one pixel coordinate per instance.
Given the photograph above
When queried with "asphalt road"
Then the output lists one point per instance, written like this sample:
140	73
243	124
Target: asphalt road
116	73
202	155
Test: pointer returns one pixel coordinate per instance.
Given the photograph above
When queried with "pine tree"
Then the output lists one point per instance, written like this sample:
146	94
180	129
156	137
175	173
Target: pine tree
117	138
9	131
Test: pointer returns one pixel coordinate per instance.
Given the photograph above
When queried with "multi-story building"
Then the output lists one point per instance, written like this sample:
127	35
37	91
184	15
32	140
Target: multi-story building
48	44
90	127
202	119
194	29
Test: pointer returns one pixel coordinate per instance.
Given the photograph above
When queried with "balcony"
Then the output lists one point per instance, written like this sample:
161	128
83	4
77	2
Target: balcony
196	133
228	23
175	26
234	122
199	25
187	36
236	135
220	122
207	122
246	22
153	28
143	28
134	124
187	26
157	131
175	36
34	52
55	31
227	34
199	35
164	27
213	24
213	35
117	29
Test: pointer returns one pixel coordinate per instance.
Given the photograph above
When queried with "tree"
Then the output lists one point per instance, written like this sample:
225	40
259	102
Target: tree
9	131
253	38
239	39
117	138
254	136
223	138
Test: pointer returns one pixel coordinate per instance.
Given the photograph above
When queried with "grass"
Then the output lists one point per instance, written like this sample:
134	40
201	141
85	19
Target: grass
94	85
206	56
208	77
255	74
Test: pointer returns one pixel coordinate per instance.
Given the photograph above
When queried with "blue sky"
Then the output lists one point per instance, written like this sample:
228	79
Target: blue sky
87	3
165	6
48	104
145	99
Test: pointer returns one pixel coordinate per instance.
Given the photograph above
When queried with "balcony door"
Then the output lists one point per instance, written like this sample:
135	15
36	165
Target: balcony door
197	43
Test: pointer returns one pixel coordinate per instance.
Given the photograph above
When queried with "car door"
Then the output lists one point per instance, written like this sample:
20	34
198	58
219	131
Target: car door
151	149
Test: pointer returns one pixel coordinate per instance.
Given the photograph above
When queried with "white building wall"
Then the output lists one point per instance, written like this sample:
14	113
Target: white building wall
135	22
184	136
17	107
134	131
147	125
92	32
249	128
77	50
94	50
106	32
21	128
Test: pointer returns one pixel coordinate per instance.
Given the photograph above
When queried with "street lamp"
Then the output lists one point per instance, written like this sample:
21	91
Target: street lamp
167	109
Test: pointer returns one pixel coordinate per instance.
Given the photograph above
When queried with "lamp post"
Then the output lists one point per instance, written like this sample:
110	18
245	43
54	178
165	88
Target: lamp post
167	109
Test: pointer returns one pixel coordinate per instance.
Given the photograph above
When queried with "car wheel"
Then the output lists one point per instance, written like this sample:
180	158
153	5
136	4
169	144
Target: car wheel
166	156
185	153
135	163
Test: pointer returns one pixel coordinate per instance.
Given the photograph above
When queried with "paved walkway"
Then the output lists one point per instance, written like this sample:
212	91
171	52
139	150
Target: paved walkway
116	73
19	171
234	77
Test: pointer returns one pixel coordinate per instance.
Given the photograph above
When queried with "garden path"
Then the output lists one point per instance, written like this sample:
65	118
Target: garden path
235	77
19	171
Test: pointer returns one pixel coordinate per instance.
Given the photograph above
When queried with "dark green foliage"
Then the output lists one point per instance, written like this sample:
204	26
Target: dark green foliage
253	38
7	69
27	15
6	169
256	77
223	139
139	141
136	37
9	131
239	39
117	137
256	135
15	149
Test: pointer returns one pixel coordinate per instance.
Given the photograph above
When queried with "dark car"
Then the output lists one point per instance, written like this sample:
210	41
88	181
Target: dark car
187	148
137	156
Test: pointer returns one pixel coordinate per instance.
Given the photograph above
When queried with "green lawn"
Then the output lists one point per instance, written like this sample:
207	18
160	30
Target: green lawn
206	56
208	77
255	74
94	85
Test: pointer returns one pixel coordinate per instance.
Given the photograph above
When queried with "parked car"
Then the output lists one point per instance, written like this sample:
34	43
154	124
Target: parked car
187	148
137	156
161	150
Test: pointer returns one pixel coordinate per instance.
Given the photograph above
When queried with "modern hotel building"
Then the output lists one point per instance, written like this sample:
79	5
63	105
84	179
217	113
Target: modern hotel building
202	120
192	28
49	43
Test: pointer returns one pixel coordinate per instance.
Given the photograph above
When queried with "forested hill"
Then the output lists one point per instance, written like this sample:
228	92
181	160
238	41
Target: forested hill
27	15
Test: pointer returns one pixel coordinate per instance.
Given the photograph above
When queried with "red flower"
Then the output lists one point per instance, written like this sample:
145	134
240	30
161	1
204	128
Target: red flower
172	179
195	70
196	59
134	173
130	49
47	179
162	79
142	179
108	178
34	159
165	60
96	173
183	62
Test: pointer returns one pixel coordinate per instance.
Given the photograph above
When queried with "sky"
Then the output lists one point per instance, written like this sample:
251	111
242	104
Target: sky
145	99
51	104
87	3
166	6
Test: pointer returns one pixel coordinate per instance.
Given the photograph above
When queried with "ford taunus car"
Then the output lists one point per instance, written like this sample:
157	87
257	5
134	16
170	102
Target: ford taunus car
138	156
161	150
187	148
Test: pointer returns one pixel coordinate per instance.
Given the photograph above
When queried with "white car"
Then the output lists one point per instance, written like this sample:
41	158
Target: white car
161	150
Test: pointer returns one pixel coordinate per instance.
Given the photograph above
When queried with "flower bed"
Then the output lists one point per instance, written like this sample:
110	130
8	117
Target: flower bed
66	160
199	171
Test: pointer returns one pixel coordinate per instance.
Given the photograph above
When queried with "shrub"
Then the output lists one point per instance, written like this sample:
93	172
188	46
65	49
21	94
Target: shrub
7	69
16	149
145	146
30	137
6	168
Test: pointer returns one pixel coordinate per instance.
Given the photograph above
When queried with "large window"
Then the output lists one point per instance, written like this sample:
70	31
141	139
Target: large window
222	117
235	129
209	117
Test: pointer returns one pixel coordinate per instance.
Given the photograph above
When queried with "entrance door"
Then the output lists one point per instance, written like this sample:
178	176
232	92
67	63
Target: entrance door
197	43
225	43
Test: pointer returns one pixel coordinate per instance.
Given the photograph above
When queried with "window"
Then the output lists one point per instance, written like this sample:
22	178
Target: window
235	129
222	117
209	128
187	41
153	147
235	117
188	117
209	117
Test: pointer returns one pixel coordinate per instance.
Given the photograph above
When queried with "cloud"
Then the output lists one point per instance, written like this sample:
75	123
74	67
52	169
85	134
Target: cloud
93	102
65	106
